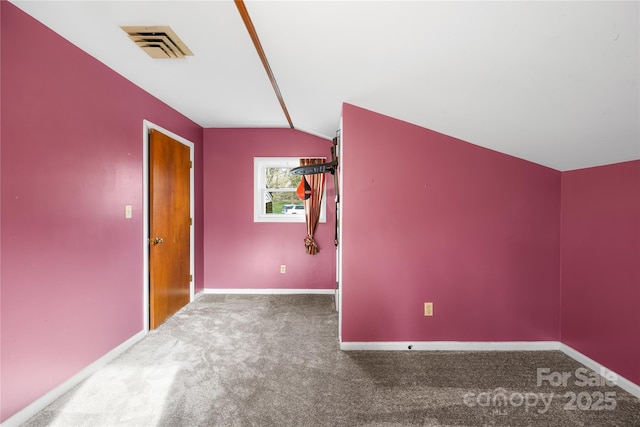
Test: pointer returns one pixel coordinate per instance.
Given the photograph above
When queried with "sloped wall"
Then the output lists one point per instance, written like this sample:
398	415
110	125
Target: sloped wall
71	277
431	218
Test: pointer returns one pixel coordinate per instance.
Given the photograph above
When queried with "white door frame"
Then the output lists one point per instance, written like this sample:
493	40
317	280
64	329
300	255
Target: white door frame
340	284
146	127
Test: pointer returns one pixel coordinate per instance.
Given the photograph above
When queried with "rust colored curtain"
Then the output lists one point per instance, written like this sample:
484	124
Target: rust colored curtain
312	204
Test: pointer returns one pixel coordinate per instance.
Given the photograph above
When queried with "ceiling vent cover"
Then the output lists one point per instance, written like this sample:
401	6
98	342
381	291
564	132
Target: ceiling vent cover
158	41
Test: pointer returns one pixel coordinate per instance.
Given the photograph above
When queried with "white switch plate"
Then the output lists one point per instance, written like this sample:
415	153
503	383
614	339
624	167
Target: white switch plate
283	269
128	211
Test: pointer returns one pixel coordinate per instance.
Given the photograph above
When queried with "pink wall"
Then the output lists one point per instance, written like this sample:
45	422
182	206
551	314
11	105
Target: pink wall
71	278
240	253
601	265
431	218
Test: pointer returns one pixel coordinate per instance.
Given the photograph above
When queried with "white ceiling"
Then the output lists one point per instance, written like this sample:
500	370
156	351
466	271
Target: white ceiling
556	83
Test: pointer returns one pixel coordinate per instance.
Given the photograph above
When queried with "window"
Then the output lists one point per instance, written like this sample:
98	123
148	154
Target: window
275	198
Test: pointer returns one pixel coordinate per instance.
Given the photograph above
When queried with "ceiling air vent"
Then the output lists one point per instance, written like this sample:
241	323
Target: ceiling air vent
158	41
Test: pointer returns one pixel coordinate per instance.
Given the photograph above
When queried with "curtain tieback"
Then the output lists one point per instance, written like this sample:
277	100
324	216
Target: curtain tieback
311	245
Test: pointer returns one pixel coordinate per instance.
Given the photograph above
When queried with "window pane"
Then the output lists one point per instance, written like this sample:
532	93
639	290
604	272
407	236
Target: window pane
281	199
281	178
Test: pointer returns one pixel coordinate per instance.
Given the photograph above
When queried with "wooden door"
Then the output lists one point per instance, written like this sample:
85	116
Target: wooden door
169	226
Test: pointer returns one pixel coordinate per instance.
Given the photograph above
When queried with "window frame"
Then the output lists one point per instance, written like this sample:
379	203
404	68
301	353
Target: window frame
260	165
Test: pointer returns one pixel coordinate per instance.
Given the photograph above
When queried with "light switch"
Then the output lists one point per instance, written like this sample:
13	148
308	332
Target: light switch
128	211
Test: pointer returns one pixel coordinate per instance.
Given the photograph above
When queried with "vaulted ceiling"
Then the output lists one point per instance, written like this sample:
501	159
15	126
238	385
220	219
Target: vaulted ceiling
556	83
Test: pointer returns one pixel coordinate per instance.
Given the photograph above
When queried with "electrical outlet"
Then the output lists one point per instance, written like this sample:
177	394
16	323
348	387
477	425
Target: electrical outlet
128	211
283	269
428	309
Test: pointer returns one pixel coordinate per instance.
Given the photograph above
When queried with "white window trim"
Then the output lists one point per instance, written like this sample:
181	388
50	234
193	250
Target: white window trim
259	167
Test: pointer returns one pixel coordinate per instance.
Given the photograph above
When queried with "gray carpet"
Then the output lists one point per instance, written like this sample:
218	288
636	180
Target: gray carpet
273	360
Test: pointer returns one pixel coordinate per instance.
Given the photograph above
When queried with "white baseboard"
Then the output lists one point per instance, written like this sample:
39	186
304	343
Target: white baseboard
269	291
38	405
452	345
620	381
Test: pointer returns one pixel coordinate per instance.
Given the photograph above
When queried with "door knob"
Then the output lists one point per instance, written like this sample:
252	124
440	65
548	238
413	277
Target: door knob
158	240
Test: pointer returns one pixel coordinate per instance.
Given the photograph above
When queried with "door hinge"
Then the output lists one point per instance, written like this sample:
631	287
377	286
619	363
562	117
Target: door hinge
191	278
190	221
190	164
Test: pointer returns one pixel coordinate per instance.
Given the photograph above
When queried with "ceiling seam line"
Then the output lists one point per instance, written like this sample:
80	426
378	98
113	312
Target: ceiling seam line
244	13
